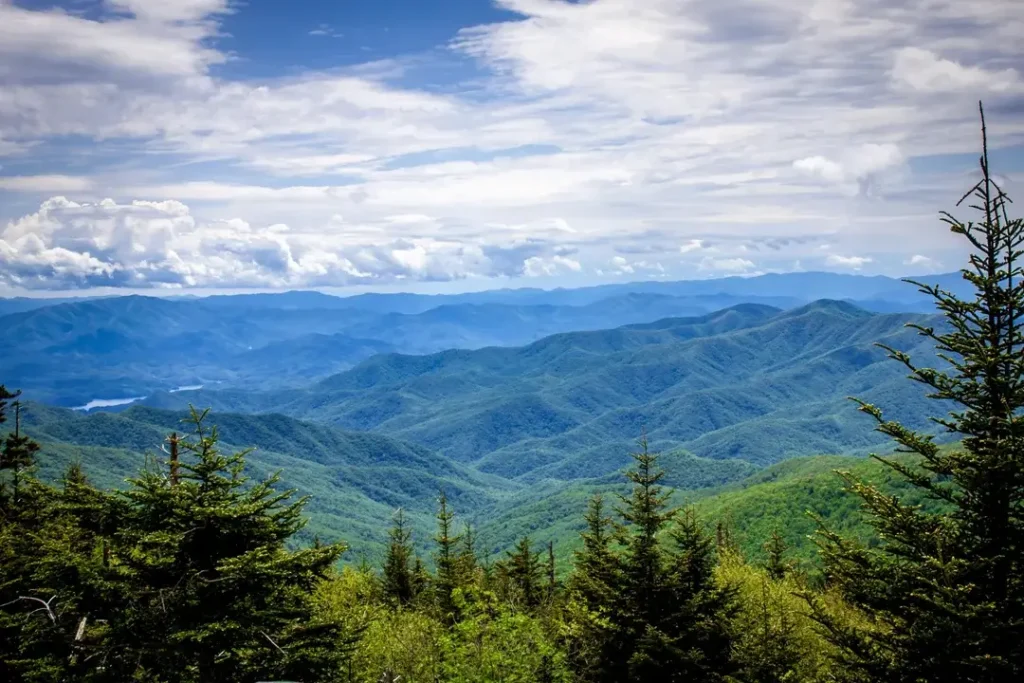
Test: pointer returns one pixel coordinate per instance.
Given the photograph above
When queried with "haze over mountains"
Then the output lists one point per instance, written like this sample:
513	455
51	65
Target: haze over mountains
73	351
505	399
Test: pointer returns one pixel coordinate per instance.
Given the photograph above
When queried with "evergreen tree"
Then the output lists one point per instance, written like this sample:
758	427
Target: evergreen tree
468	561
701	609
644	601
652	613
420	577
596	569
550	571
215	596
775	551
945	591
17	451
522	569
399	582
54	588
446	561
594	586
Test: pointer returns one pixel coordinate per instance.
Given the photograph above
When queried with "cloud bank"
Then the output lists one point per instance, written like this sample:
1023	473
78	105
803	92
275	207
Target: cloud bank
670	138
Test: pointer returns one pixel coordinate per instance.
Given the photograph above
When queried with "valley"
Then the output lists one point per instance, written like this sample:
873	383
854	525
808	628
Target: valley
517	426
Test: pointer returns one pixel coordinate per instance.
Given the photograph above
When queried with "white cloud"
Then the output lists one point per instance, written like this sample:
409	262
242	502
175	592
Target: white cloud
730	266
856	167
695	125
922	261
165	39
143	244
619	264
45	183
853	262
926	71
538	266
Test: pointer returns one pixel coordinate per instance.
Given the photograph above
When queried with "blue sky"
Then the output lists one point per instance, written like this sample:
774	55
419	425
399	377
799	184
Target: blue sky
465	144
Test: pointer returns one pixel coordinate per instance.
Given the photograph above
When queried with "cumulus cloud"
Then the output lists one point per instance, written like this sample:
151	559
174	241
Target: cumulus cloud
852	262
67	244
691	245
728	266
537	266
856	168
926	71
731	134
921	261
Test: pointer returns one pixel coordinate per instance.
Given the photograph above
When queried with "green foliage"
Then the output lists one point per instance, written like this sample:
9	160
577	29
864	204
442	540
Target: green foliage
399	581
520	573
776	640
646	609
182	578
945	590
354	481
450	576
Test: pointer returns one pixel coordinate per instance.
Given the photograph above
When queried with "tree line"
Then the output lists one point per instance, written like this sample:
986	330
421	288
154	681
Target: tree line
188	576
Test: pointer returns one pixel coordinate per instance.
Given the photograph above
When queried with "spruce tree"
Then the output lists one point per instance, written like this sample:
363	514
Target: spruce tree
54	589
17	451
776	564
550	571
523	572
701	609
446	561
468	561
654	612
945	590
596	567
594	585
399	582
644	563
215	595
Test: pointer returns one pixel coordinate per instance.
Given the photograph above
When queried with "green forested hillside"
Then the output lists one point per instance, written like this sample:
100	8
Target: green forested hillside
356	479
750	383
71	351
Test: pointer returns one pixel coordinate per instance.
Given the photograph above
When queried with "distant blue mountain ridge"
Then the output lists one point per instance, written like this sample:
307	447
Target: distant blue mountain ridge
72	351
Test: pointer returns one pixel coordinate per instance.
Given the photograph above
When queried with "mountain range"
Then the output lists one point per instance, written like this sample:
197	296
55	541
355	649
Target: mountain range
751	382
71	351
517	419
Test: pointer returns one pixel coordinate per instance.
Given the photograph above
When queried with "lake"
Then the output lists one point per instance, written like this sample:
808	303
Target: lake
108	403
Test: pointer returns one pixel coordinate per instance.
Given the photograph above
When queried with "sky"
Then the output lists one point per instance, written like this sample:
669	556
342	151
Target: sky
447	145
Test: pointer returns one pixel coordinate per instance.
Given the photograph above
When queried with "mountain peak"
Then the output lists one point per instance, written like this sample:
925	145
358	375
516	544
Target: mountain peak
832	307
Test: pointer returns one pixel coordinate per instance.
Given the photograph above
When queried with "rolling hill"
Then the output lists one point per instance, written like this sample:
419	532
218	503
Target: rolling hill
71	351
356	480
751	383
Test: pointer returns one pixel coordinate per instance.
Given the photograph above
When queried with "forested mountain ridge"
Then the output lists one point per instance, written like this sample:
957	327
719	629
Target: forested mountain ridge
356	480
722	385
70	351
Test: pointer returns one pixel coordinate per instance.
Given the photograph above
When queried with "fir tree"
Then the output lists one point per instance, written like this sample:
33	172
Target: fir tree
420	577
17	451
446	561
945	591
594	585
646	513
776	564
399	582
54	588
215	596
522	568
468	561
596	570
701	609
550	571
